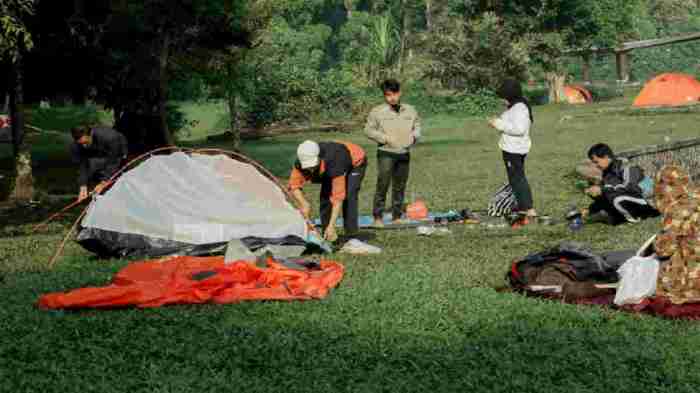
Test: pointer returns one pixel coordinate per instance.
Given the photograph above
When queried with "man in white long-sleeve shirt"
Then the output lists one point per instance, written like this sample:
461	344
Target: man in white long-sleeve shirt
514	126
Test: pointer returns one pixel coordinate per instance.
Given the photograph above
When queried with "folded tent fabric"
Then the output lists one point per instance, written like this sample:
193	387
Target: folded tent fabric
192	280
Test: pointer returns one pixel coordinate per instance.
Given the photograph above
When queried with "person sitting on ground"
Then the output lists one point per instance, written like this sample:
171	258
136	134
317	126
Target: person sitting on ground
619	198
396	127
515	143
340	168
100	152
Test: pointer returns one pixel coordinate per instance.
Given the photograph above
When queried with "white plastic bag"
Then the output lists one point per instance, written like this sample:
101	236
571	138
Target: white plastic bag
354	246
637	280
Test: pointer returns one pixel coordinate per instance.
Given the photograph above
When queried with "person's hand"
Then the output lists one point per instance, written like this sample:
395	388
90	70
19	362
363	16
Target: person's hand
83	193
492	123
100	187
329	234
306	211
390	140
594	191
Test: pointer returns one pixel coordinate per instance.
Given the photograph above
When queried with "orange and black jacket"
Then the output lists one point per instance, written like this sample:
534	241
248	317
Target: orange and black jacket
336	161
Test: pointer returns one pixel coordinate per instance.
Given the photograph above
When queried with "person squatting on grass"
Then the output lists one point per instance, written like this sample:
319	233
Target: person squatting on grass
514	125
100	152
340	168
619	198
396	127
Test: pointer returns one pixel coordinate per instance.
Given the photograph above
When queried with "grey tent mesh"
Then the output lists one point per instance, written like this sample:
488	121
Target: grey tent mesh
684	153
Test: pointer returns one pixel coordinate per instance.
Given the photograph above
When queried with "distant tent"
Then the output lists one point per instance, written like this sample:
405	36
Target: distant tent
169	203
669	89
577	95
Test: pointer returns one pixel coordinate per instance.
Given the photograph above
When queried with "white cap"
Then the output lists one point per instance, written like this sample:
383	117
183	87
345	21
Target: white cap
308	154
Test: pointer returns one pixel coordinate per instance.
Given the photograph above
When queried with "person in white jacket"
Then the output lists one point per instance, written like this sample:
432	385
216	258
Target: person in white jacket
514	125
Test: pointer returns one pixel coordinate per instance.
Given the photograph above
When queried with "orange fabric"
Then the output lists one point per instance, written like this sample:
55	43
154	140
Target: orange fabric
356	153
670	89
158	283
297	178
417	210
338	190
577	94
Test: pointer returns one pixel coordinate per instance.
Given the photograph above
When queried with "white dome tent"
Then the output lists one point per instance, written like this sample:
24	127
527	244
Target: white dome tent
174	200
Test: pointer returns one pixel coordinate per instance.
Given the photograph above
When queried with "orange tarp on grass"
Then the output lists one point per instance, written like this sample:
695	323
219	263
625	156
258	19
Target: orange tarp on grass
192	280
670	89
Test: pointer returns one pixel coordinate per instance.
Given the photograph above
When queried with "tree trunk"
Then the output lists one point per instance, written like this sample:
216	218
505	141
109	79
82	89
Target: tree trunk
5	103
163	91
348	8
586	68
234	123
405	27
429	14
22	183
622	60
555	82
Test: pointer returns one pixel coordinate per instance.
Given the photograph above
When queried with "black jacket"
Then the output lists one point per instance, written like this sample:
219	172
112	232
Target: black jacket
108	145
621	177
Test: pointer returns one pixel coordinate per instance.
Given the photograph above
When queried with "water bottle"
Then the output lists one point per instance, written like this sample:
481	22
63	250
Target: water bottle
575	219
576	223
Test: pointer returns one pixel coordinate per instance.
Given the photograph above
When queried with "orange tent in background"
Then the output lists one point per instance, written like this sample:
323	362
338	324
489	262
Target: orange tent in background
577	95
669	89
193	280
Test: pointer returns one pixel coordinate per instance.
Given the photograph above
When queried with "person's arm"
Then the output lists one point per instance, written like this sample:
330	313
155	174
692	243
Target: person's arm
631	176
373	129
303	203
417	129
83	167
514	122
296	183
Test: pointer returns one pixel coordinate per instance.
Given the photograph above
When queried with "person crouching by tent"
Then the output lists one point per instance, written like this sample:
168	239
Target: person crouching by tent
340	168
514	125
100	152
619	198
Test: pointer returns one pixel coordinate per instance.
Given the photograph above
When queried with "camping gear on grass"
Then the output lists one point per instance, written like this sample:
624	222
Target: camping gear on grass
195	280
168	203
358	247
417	210
502	202
637	280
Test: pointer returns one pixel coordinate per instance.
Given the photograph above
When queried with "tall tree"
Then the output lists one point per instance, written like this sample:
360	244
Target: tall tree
15	41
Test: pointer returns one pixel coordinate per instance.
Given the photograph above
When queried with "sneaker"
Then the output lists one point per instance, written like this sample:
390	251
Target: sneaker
521	223
400	221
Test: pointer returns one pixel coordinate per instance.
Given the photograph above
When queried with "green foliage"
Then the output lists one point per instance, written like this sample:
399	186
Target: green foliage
14	33
281	79
476	53
369	47
476	103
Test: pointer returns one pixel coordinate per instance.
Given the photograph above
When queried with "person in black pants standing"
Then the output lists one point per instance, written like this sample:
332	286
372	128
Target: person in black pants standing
514	125
396	127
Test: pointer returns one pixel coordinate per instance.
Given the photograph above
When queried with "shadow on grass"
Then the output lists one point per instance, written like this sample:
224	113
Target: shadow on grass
509	345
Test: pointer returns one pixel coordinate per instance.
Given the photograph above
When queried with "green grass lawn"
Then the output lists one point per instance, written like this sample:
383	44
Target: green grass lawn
422	316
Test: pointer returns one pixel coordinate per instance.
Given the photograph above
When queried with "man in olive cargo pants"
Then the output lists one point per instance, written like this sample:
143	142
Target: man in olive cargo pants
396	128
